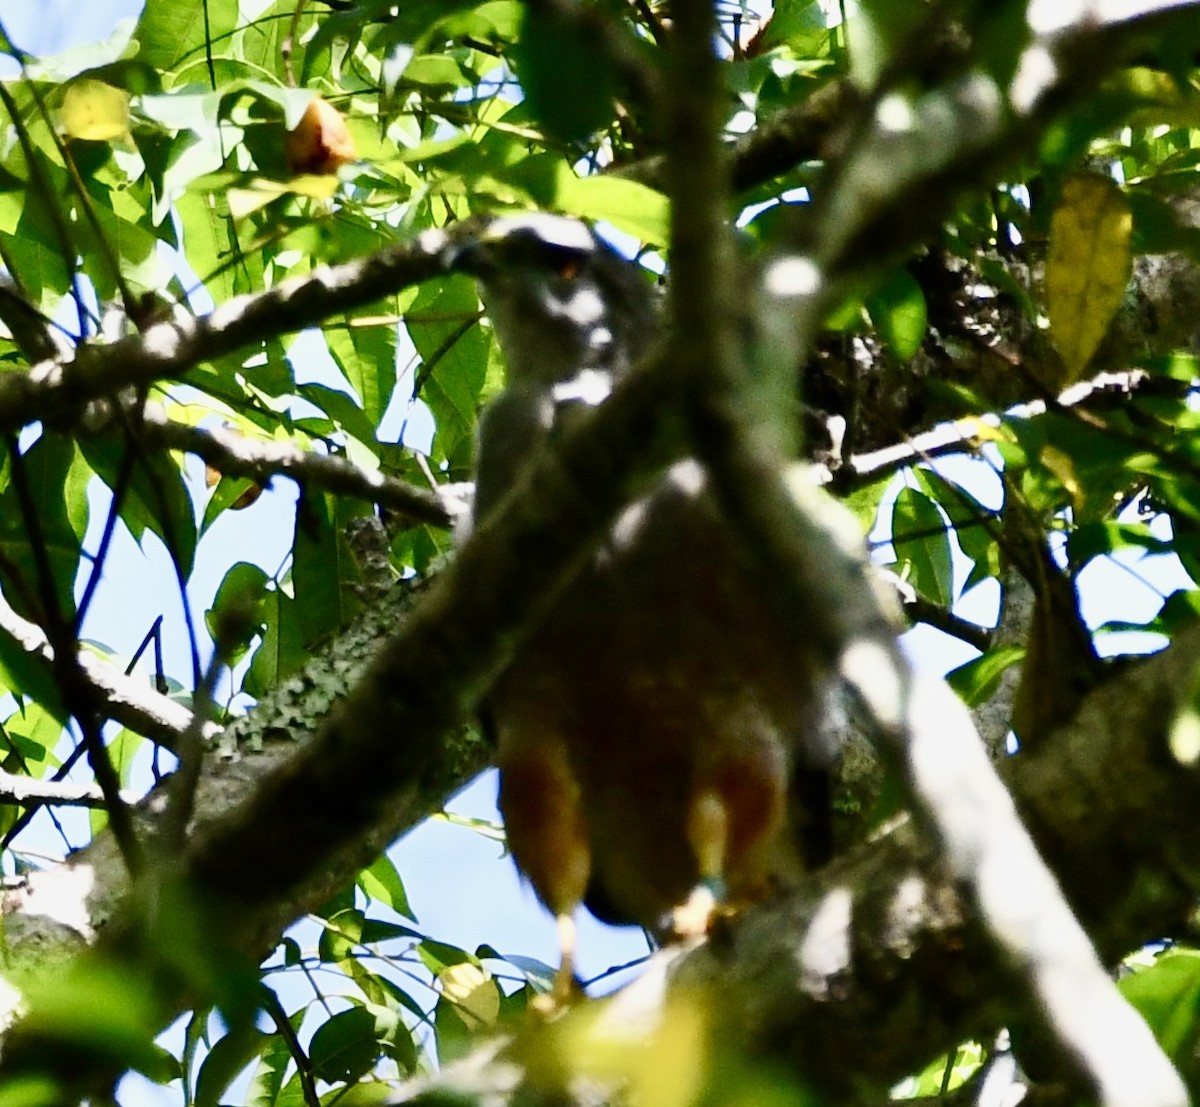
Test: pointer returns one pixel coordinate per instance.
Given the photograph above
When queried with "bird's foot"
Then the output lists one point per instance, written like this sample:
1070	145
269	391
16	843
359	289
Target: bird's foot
565	992
693	918
566	989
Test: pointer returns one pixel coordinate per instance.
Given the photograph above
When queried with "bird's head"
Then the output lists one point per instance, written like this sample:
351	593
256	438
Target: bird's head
563	302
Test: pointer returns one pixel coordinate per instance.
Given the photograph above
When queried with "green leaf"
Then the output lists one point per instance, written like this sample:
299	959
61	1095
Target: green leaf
154	497
274	1061
629	206
172	37
342	937
454	1037
97	1009
454	356
228	1056
26	675
436	70
970	520
567	76
48	543
1106	537
239	601
323	569
922	545
345	1048
366	356
283	649
381	881
497	21
375	931
977	680
1087	267
897	310
344	412
1167	995
536	972
32	1091
229	491
34	732
794	18
439	956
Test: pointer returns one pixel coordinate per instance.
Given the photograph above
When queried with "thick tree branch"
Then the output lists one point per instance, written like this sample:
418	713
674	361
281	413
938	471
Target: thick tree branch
56	389
91	888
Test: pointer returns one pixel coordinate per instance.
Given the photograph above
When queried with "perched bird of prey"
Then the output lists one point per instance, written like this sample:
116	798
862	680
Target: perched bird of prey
650	729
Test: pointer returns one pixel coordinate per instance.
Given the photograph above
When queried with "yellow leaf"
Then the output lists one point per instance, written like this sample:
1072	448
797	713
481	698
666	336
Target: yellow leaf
95	111
1063	467
473	993
1087	268
980	430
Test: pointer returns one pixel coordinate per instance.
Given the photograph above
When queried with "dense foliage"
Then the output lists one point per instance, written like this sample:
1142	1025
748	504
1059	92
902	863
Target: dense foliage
1001	200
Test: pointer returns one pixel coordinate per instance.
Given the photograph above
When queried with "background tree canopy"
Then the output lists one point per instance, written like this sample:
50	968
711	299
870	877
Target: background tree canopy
974	228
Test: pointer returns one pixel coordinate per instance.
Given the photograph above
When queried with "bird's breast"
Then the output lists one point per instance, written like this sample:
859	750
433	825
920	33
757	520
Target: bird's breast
658	673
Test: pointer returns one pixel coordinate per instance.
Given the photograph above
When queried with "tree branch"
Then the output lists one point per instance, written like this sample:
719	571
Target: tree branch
127	700
237	455
776	145
29	792
56	389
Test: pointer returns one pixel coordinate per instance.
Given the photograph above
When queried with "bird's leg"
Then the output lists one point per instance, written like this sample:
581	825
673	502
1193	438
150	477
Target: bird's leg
565	987
547	833
708	835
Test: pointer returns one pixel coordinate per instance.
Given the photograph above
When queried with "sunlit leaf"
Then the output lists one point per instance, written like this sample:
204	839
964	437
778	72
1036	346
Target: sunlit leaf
95	111
977	680
382	882
473	993
1167	995
1087	267
897	309
629	206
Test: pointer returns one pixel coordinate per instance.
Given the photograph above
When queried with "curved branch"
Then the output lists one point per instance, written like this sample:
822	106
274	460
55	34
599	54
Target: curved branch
59	388
235	454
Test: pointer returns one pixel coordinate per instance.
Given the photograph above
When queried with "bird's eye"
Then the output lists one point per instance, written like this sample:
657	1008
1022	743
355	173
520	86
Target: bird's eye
567	268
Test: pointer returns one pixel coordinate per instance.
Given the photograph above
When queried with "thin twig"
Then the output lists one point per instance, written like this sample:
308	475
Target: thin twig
32	793
78	694
283	1025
